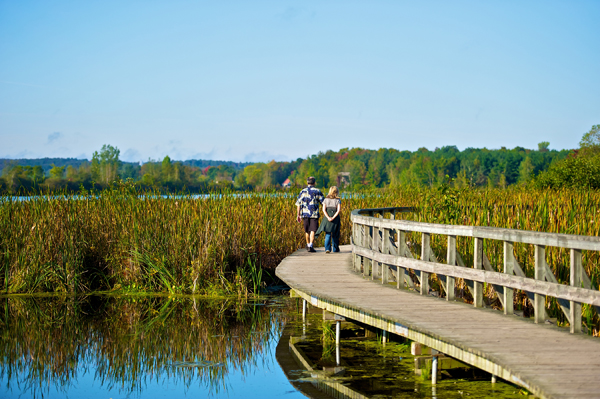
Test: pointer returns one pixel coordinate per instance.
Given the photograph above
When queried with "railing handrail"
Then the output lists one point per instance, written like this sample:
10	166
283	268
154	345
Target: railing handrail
561	240
379	250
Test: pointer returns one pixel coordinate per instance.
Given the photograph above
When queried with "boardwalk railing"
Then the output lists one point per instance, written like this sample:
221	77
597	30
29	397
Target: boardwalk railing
380	251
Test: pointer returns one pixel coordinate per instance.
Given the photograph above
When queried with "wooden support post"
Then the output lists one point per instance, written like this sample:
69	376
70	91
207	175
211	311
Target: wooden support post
303	309
375	247
576	280
494	379
360	230
400	270
355	257
337	332
539	302
434	367
384	337
425	252
366	244
451	259
478	264
509	262
385	249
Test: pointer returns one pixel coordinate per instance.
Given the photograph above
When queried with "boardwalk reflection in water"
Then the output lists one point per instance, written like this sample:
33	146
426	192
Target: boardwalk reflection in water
362	366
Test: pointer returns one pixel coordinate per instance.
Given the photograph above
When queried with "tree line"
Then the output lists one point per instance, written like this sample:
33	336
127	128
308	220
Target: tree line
351	168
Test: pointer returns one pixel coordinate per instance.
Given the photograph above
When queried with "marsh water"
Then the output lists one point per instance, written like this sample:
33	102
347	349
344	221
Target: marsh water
158	346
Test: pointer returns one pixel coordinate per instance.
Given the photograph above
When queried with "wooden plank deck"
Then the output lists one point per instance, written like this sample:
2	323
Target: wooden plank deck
548	361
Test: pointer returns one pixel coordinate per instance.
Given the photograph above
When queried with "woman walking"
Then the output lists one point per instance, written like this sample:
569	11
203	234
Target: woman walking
331	223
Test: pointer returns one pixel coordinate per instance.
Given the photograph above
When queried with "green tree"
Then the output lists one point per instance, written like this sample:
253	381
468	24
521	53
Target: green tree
590	142
526	170
543	146
57	172
579	170
105	165
572	172
167	169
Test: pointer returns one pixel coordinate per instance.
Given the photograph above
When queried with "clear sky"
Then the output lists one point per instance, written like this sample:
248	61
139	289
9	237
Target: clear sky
261	80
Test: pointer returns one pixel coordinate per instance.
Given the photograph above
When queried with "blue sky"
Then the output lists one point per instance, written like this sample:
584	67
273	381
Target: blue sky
261	80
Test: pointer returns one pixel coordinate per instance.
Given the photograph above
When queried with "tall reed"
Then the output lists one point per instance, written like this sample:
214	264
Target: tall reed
220	244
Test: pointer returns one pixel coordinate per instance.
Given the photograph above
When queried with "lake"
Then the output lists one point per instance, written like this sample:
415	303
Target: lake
108	346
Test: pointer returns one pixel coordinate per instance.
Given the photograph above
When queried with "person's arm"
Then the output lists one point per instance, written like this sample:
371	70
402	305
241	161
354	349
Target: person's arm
326	214
339	208
298	206
335	215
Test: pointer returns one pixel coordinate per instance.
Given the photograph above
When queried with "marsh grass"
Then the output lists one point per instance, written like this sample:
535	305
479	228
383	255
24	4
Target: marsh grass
227	243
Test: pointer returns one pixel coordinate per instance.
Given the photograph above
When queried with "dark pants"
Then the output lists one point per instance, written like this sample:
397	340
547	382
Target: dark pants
310	224
332	243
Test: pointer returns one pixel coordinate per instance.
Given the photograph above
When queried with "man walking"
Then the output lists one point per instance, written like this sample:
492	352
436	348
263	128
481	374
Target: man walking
307	206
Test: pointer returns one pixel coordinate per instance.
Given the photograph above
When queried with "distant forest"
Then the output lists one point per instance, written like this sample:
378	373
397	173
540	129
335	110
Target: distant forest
351	168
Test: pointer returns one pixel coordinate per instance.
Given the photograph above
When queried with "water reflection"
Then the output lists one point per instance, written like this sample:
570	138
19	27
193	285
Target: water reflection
116	346
368	364
50	343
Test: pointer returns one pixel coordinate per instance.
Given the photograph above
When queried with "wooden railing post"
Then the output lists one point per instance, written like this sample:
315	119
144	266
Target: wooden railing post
354	242
368	267
375	247
365	244
400	270
425	253
539	301
576	279
358	241
451	259
478	264
385	249
509	262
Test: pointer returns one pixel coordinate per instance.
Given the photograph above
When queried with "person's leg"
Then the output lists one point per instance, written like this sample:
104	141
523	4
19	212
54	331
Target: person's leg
335	242
327	242
306	223
313	227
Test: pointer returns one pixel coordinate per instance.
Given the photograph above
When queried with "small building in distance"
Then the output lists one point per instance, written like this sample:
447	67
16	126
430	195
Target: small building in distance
343	179
286	184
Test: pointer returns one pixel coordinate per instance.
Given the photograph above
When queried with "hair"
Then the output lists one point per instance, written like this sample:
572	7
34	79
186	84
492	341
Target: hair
333	192
311	180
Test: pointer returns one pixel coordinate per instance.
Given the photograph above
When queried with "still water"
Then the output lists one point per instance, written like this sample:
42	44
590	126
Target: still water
166	347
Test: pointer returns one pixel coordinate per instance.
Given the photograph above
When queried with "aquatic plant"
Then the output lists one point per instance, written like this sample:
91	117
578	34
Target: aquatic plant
227	243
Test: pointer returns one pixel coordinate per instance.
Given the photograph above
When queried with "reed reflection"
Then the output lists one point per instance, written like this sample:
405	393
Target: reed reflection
49	342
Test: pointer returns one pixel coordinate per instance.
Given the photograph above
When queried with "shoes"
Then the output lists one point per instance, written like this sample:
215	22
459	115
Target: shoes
311	249
328	251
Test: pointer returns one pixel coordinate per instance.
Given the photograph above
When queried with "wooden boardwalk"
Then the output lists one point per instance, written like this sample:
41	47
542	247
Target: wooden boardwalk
548	361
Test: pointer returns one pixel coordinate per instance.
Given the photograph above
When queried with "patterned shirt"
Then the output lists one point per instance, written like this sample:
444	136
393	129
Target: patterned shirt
309	200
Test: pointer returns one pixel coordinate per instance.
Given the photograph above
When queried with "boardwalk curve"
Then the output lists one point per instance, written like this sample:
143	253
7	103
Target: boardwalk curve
547	360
